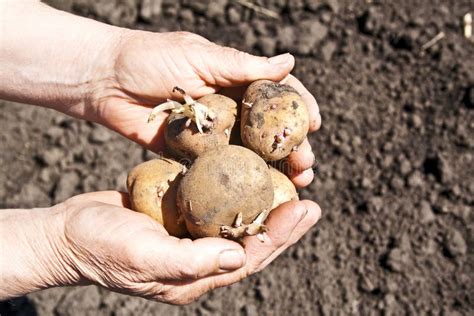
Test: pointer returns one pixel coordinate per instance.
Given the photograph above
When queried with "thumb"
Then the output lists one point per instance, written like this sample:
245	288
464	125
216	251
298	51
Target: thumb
230	67
186	259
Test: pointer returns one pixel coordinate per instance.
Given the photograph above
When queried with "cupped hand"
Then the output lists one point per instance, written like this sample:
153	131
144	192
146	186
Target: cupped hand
146	66
108	244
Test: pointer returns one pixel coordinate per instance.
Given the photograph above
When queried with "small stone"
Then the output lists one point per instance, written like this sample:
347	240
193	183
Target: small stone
150	10
375	204
397	259
415	179
426	213
233	15
66	186
51	156
415	121
328	50
454	244
99	135
405	167
54	132
187	16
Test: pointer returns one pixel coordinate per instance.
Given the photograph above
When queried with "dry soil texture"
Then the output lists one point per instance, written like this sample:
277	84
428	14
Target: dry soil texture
395	158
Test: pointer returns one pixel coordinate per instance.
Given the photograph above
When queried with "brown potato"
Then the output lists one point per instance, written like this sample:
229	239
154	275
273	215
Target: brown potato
221	184
152	187
274	119
187	142
283	189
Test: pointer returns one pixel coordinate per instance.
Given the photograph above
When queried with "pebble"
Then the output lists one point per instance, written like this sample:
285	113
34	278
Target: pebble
415	179
454	244
233	15
405	167
397	259
66	186
187	16
51	156
415	121
328	50
150	9
99	135
426	213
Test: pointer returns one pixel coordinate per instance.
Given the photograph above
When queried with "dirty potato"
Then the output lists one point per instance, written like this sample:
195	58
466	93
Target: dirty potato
274	119
183	138
283	189
227	192
152	187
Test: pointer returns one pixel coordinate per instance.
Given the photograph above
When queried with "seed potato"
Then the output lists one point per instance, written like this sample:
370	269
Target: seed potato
283	189
152	187
183	138
274	119
221	184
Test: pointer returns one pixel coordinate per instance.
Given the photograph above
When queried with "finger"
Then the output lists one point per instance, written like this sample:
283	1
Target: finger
309	220
303	158
130	120
169	258
308	98
116	198
230	67
301	179
281	222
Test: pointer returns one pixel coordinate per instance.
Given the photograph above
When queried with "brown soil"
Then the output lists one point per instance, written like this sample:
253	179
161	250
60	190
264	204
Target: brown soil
395	174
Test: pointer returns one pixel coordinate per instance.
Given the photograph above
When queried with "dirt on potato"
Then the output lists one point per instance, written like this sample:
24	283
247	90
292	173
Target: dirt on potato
394	172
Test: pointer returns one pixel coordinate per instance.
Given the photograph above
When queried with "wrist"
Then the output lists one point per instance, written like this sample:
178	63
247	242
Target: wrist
37	252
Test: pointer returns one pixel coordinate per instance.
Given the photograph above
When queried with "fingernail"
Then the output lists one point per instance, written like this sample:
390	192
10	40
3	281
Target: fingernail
279	59
231	259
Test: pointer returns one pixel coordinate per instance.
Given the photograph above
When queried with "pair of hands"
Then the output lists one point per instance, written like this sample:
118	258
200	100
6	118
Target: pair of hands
114	77
127	251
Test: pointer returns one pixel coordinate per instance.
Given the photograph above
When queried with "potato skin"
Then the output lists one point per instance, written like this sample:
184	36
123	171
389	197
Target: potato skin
187	142
283	189
275	109
220	184
144	183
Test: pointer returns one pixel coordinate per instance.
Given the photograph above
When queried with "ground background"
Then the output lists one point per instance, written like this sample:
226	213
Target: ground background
395	158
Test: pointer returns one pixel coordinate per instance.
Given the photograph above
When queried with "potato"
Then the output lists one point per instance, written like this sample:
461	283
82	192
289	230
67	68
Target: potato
184	140
274	119
221	184
283	189
152	187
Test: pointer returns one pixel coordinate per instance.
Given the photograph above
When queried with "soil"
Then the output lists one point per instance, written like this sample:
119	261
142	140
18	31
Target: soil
394	174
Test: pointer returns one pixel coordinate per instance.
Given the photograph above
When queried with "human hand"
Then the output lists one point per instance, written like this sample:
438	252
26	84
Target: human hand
94	239
148	65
